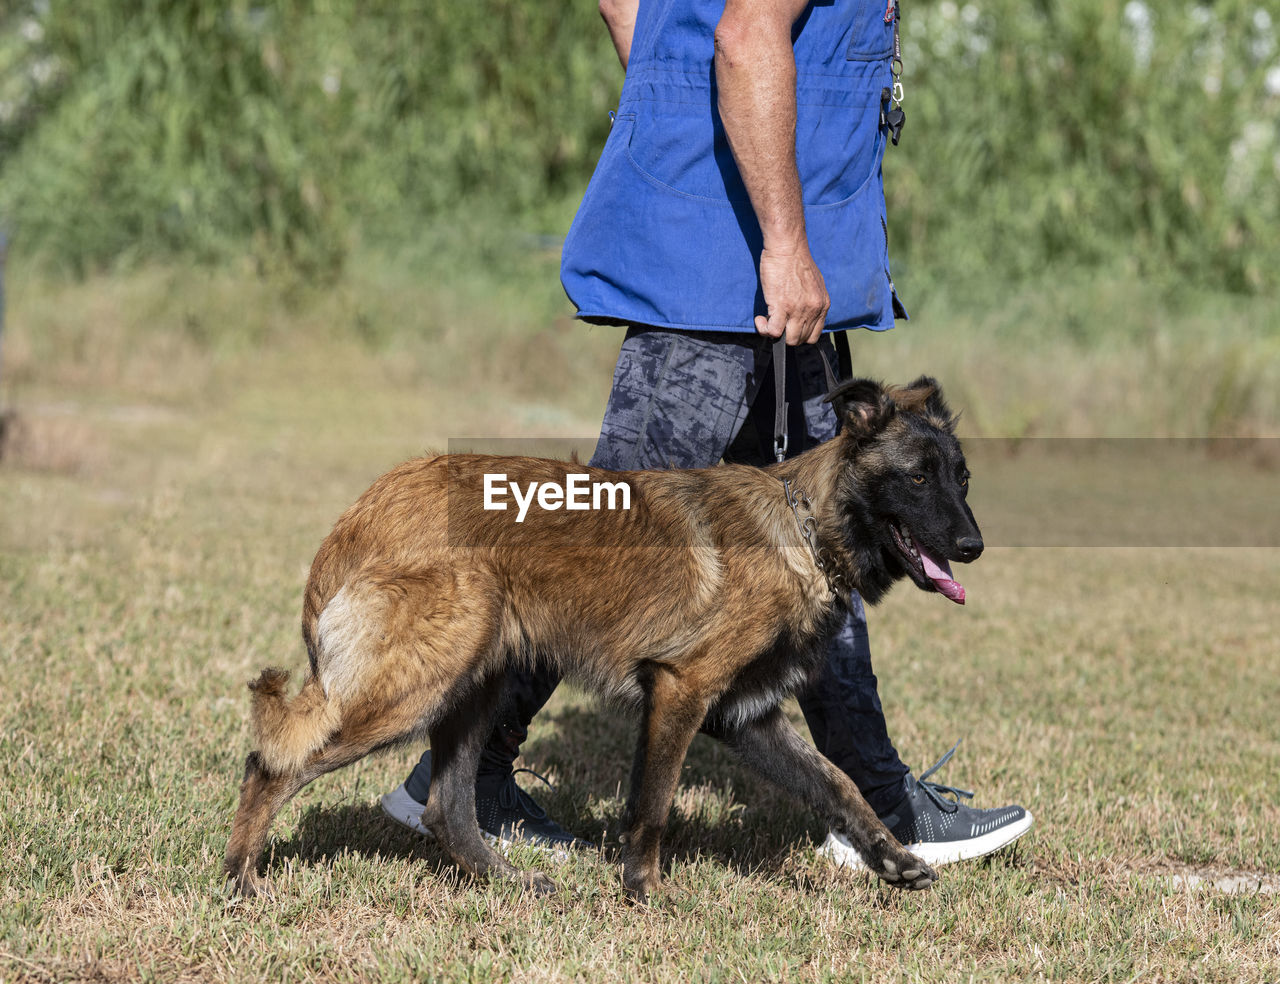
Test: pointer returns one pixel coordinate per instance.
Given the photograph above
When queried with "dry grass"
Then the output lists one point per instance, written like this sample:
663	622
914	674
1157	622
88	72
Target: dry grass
1125	695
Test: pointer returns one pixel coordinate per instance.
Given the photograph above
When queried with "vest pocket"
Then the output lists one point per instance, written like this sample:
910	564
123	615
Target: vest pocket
872	37
684	154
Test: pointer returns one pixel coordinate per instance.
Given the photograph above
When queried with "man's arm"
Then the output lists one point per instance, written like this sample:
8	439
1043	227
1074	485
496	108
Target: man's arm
620	17
756	77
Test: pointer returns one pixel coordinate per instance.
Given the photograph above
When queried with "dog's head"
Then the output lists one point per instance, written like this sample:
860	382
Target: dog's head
903	487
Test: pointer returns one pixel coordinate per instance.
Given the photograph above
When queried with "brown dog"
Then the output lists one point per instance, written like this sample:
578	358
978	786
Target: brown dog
702	603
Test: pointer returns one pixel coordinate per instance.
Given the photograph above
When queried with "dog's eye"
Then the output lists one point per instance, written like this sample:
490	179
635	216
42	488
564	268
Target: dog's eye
918	479
964	480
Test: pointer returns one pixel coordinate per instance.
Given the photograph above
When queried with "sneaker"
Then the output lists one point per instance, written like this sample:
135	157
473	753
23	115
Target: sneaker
507	814
937	829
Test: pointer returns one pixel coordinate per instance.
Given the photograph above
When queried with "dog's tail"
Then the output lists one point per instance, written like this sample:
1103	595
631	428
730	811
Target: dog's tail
287	730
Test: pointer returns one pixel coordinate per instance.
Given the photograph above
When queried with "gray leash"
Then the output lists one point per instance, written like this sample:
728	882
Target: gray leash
780	439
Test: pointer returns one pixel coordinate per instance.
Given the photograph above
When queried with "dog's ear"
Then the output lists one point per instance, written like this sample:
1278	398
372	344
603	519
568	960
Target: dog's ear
925	396
862	405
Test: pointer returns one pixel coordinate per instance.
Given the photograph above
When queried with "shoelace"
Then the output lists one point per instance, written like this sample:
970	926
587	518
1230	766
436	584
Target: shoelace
936	790
511	796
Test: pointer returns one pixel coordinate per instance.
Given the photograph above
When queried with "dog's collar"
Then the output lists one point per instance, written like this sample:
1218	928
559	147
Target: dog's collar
808	525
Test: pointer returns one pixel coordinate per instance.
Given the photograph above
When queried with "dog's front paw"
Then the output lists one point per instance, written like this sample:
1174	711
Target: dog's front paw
906	871
250	885
537	883
640	885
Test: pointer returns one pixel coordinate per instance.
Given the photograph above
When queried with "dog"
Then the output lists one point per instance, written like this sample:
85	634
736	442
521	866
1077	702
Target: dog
702	604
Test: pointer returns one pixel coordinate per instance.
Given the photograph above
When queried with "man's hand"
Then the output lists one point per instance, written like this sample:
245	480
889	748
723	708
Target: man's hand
795	294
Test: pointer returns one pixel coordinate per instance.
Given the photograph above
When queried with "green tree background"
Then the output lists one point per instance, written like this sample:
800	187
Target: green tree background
1086	134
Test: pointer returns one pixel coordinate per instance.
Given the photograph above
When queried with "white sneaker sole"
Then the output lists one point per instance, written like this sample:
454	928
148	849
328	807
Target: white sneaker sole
839	850
407	811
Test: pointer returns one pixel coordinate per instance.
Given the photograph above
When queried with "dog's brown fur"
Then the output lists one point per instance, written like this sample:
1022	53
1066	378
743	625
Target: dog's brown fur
702	606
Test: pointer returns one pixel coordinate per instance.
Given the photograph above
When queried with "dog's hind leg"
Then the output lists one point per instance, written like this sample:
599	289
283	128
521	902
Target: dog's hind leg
456	742
672	714
262	796
384	676
378	719
773	748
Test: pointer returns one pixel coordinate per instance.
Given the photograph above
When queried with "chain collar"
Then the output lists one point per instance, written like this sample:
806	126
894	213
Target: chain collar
808	525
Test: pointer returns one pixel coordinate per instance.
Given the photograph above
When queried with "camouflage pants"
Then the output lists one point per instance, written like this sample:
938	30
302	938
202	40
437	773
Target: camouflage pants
688	400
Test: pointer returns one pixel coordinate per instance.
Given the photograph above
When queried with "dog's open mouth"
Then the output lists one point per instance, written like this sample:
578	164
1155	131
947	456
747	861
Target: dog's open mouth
927	569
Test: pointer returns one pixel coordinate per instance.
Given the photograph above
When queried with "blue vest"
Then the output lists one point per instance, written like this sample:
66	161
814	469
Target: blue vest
666	234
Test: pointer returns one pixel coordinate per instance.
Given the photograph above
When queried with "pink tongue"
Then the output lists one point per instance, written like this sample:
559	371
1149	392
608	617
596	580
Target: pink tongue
940	575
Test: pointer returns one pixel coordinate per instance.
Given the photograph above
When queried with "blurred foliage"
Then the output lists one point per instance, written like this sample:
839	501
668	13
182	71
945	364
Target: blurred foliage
1143	136
1088	132
138	127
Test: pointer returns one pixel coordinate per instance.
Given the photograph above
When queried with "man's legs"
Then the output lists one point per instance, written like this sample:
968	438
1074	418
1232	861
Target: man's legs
686	400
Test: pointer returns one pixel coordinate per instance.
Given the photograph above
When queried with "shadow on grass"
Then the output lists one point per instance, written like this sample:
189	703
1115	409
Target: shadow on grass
723	811
359	829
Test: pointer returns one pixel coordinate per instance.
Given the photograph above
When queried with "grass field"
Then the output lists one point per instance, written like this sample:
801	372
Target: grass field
183	442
